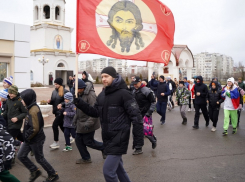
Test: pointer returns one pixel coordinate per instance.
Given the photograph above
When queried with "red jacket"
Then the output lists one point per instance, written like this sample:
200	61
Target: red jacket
192	90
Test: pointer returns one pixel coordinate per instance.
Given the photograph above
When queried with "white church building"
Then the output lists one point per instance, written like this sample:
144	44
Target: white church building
50	43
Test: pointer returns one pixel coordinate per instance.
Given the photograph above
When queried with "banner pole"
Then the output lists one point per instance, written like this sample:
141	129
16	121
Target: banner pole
76	73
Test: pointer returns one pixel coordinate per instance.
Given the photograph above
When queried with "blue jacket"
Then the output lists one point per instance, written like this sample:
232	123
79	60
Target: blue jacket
70	110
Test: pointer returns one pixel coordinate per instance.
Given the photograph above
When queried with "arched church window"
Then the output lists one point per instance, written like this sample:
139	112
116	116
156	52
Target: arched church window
36	13
57	13
61	65
46	12
31	75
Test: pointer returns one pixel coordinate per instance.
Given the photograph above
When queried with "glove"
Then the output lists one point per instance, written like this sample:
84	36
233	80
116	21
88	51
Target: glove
147	115
8	165
76	100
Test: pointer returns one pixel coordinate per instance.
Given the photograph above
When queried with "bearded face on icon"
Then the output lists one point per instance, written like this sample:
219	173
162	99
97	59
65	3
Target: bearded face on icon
125	21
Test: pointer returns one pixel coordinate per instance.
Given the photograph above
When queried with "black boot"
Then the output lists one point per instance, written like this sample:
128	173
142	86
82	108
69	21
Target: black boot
184	121
153	140
35	175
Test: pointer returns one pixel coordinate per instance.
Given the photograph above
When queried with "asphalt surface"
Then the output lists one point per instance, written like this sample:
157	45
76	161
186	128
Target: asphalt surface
182	154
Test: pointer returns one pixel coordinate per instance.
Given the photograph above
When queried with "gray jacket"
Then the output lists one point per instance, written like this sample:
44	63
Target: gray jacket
83	122
70	110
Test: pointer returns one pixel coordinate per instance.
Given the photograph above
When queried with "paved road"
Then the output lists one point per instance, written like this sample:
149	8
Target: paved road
182	154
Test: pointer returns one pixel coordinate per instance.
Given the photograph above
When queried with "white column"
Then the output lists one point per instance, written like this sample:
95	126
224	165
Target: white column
188	70
160	69
150	69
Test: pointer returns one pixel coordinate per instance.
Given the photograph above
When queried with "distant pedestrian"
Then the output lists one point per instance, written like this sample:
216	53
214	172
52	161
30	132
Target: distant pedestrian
70	83
131	86
214	101
182	99
162	97
7	82
201	91
241	92
85	77
34	139
153	84
146	101
232	100
186	82
3	97
57	98
191	88
69	112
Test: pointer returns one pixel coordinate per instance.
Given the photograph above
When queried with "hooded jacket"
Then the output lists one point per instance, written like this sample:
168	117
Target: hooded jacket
219	87
145	99
214	96
7	150
83	122
14	108
202	89
56	99
86	80
33	127
117	109
180	94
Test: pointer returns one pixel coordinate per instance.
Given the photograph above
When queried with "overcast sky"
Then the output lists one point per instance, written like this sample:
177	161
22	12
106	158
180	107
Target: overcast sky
203	25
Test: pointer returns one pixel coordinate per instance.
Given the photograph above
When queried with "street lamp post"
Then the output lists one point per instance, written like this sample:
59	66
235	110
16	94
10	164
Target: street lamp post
43	61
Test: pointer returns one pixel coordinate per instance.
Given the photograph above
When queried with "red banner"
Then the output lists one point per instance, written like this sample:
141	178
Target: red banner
125	29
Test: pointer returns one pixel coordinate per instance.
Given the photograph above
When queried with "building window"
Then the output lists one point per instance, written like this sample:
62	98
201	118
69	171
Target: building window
3	71
36	13
46	12
57	13
61	65
31	75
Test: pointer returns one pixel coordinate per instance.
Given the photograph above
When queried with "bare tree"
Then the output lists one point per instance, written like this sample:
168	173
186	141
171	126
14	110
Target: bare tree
241	70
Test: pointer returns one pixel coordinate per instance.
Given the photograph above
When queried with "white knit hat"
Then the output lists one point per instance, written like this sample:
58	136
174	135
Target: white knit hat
9	80
231	80
192	80
3	94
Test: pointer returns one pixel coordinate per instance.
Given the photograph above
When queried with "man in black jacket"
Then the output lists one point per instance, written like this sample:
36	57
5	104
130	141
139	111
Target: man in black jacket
117	110
34	138
70	83
146	100
214	100
57	98
200	93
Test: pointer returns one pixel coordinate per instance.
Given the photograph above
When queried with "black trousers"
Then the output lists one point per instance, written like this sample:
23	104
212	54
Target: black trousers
203	107
16	133
58	122
213	115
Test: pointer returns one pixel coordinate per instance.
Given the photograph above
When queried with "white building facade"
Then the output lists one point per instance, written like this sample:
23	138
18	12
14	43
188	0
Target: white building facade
51	43
15	53
210	65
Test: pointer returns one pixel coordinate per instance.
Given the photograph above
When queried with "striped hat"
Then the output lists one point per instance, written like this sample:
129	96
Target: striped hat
9	80
3	94
68	96
13	90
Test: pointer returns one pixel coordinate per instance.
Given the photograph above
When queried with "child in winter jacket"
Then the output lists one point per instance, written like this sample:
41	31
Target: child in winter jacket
7	82
241	92
7	152
69	112
3	97
182	99
214	100
232	100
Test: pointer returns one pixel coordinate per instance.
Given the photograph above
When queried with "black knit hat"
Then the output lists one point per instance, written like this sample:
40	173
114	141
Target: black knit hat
59	81
182	82
110	71
162	77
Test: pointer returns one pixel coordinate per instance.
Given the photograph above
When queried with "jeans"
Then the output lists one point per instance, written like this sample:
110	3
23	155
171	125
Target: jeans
161	109
58	122
113	169
37	149
84	140
69	132
213	115
5	176
203	107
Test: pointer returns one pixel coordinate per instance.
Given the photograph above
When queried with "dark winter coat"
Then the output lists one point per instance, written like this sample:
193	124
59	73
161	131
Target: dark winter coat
117	109
214	96
86	80
241	85
83	122
70	83
3	107
219	85
56	99
70	110
145	99
173	85
14	108
7	150
153	85
203	89
162	87
34	123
